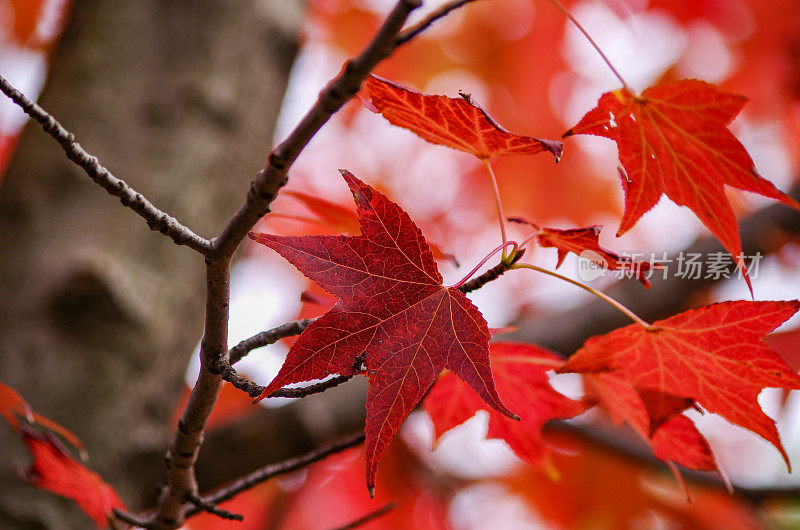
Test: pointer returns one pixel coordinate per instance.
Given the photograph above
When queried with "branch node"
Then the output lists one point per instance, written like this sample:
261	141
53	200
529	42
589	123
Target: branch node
210	507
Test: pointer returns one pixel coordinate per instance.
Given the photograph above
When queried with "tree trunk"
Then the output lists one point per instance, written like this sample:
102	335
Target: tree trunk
98	313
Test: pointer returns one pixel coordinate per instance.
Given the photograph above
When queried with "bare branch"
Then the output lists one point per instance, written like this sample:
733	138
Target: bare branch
287	466
132	519
155	218
386	508
339	91
182	454
268	337
212	508
424	24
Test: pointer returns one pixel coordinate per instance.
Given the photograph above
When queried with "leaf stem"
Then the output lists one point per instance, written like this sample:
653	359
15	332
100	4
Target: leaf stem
498	203
484	260
577	24
630	314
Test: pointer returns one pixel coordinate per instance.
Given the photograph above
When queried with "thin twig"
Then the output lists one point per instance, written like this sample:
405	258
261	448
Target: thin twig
204	505
155	218
132	519
585	33
286	466
268	337
425	23
386	508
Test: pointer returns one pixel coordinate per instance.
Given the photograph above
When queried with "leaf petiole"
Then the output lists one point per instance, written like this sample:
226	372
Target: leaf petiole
630	314
498	204
577	24
497	249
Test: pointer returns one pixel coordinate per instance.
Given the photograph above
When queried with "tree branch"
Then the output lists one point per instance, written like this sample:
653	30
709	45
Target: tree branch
155	218
339	91
182	454
424	24
268	337
212	508
287	466
492	274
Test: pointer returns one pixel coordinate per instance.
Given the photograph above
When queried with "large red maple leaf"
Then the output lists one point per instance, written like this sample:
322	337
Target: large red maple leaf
458	123
520	371
674	140
713	355
55	470
394	316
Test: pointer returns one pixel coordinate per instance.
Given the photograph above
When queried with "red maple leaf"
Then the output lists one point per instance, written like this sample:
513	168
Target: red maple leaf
713	355
55	470
457	123
520	371
674	139
394	316
343	220
585	243
672	436
14	408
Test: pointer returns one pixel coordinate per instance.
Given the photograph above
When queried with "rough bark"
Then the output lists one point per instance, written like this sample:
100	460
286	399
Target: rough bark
98	313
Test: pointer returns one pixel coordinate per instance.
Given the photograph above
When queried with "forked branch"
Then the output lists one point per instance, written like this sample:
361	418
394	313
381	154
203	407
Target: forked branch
129	197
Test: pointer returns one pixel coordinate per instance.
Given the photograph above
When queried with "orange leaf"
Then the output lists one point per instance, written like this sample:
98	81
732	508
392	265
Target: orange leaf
457	123
520	372
672	436
13	406
674	139
713	355
55	470
584	242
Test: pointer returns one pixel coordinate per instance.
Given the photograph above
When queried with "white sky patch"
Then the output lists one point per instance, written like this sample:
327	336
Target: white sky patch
26	70
642	46
707	56
512	19
463	451
766	144
450	82
492	505
315	65
774	281
765	466
667	227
